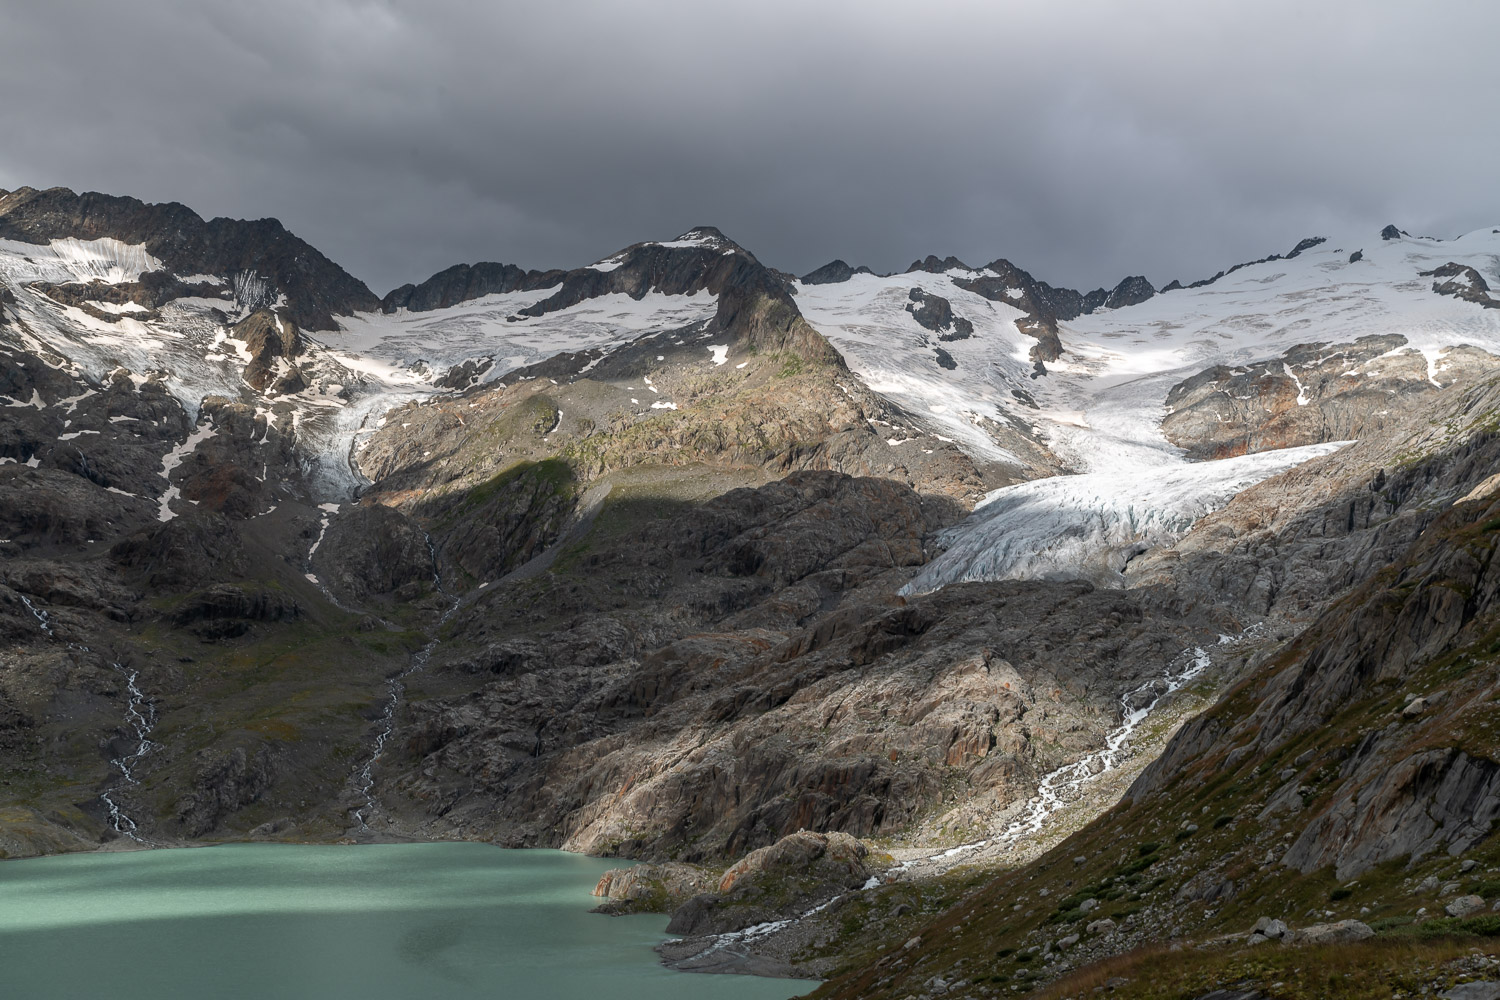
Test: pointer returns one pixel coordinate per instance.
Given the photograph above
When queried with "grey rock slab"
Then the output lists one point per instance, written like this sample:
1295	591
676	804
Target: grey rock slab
1465	906
1334	933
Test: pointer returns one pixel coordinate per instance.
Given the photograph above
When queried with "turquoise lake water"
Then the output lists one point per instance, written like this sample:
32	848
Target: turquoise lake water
380	922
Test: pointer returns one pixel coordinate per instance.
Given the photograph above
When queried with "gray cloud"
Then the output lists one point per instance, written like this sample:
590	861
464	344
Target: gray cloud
1083	141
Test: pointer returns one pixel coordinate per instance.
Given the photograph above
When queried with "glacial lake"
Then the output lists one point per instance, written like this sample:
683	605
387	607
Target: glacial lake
379	922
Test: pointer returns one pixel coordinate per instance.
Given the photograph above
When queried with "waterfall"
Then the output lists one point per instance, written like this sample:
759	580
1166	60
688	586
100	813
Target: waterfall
140	715
395	687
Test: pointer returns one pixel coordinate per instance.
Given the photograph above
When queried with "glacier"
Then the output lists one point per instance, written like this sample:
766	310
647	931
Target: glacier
1089	526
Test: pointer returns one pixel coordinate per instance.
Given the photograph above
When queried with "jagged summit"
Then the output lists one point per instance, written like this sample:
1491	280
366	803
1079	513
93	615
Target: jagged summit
933	264
260	254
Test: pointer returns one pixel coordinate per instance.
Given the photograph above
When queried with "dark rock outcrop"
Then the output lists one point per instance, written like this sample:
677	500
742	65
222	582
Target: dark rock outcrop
813	703
1433	800
227	783
832	273
1306	244
1462	282
463	282
226	600
269	340
370	550
194	550
756	309
935	313
1130	291
938	265
1002	281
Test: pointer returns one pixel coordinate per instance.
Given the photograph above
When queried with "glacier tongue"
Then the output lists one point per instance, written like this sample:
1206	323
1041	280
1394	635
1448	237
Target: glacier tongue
1089	526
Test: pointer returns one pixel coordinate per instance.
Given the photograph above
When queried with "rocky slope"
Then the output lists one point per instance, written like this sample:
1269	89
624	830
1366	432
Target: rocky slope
1346	775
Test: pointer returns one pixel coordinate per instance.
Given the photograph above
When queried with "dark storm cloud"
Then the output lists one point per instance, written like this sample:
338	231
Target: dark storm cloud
1084	141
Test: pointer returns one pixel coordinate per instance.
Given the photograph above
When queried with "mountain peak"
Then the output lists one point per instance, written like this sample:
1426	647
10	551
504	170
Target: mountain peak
316	288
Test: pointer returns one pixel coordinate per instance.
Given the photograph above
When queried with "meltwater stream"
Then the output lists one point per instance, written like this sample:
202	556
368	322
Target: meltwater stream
43	619
395	689
372	922
140	716
1054	791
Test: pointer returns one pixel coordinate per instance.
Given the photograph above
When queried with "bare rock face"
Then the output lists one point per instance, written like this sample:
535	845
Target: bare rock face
226	610
44	508
838	854
1131	291
832	273
463	282
187	552
1044	305
112	434
713	682
501	524
231	470
225	784
1430	801
370	550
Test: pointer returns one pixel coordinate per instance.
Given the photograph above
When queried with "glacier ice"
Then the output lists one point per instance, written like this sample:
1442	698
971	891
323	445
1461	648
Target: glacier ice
1089	526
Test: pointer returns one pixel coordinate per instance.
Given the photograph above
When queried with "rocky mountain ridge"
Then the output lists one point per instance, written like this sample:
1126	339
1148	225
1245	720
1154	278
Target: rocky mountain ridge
260	259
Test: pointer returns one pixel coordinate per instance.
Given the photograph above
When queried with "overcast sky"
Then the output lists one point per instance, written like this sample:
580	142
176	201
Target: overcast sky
1084	141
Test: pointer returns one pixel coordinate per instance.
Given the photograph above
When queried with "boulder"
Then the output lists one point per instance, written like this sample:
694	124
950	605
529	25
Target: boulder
1268	927
1338	932
1472	991
1465	906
